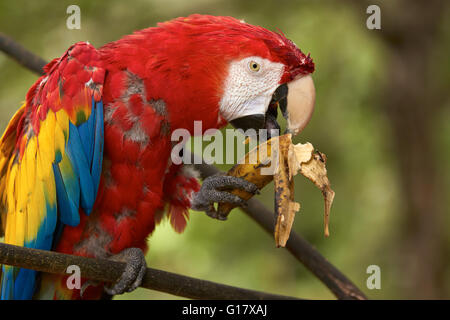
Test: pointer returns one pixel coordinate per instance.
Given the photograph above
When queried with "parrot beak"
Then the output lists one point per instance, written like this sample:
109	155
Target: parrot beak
296	101
301	100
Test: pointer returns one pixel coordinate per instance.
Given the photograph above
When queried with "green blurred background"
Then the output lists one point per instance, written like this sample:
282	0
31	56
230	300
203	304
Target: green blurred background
382	117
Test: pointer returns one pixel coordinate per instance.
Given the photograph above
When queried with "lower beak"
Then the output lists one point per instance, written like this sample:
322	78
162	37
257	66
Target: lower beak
253	121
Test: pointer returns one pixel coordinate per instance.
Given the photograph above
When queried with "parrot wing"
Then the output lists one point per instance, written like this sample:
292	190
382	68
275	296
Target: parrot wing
51	159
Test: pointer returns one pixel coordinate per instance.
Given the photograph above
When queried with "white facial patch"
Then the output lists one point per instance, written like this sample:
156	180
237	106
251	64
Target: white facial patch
249	87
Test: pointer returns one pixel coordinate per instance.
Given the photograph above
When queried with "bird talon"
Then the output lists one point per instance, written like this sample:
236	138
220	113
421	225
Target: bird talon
133	273
213	190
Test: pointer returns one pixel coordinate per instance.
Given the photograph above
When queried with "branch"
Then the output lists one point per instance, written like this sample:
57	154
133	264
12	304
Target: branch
337	282
21	55
109	271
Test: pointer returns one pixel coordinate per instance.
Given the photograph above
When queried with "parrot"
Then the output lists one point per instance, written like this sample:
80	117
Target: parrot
85	162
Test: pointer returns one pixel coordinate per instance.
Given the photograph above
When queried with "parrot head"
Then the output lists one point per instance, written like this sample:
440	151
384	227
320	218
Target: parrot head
266	73
222	70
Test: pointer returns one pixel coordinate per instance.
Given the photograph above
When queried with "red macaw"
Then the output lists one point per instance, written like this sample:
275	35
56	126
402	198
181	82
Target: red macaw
85	163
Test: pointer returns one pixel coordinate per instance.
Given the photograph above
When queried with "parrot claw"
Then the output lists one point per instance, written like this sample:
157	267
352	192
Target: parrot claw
215	215
213	190
133	273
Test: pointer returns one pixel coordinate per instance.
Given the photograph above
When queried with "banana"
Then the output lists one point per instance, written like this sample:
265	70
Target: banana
285	206
279	160
251	171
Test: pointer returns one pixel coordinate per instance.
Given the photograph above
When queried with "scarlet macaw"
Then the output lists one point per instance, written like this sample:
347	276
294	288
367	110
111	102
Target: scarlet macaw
85	163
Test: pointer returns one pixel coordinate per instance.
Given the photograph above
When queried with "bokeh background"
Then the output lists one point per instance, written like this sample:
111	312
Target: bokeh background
382	117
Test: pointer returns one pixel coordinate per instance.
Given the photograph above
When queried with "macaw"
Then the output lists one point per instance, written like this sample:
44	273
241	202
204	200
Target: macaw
85	164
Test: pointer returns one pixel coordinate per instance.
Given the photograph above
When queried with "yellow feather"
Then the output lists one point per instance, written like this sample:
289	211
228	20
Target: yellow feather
46	142
5	198
50	191
20	227
30	162
66	167
39	193
10	227
21	188
45	188
35	210
39	200
11	188
27	185
33	221
62	119
59	142
42	168
3	164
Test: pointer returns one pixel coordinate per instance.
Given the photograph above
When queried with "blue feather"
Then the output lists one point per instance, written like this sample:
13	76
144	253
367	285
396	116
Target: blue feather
24	284
74	150
7	283
49	221
67	209
86	131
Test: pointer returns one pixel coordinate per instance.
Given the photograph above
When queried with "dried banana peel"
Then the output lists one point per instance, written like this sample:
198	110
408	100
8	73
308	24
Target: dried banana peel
285	206
290	160
253	171
315	170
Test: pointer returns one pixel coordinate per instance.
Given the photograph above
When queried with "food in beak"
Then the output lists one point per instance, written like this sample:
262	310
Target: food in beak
296	101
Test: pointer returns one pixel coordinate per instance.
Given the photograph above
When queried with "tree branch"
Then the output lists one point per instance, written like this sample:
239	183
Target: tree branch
337	282
109	271
21	55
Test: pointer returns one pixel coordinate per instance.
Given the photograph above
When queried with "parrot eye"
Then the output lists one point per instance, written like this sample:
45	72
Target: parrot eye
254	66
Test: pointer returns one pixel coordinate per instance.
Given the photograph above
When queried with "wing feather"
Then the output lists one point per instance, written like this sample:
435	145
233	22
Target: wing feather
50	159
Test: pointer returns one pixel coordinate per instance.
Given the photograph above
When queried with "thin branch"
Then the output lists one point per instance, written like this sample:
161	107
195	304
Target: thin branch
337	282
109	271
26	58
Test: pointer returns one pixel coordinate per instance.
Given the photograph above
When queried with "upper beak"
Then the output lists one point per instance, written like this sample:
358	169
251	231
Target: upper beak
301	100
296	101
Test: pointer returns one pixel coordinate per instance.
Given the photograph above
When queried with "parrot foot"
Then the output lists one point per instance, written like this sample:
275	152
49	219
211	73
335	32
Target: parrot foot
213	190
133	274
